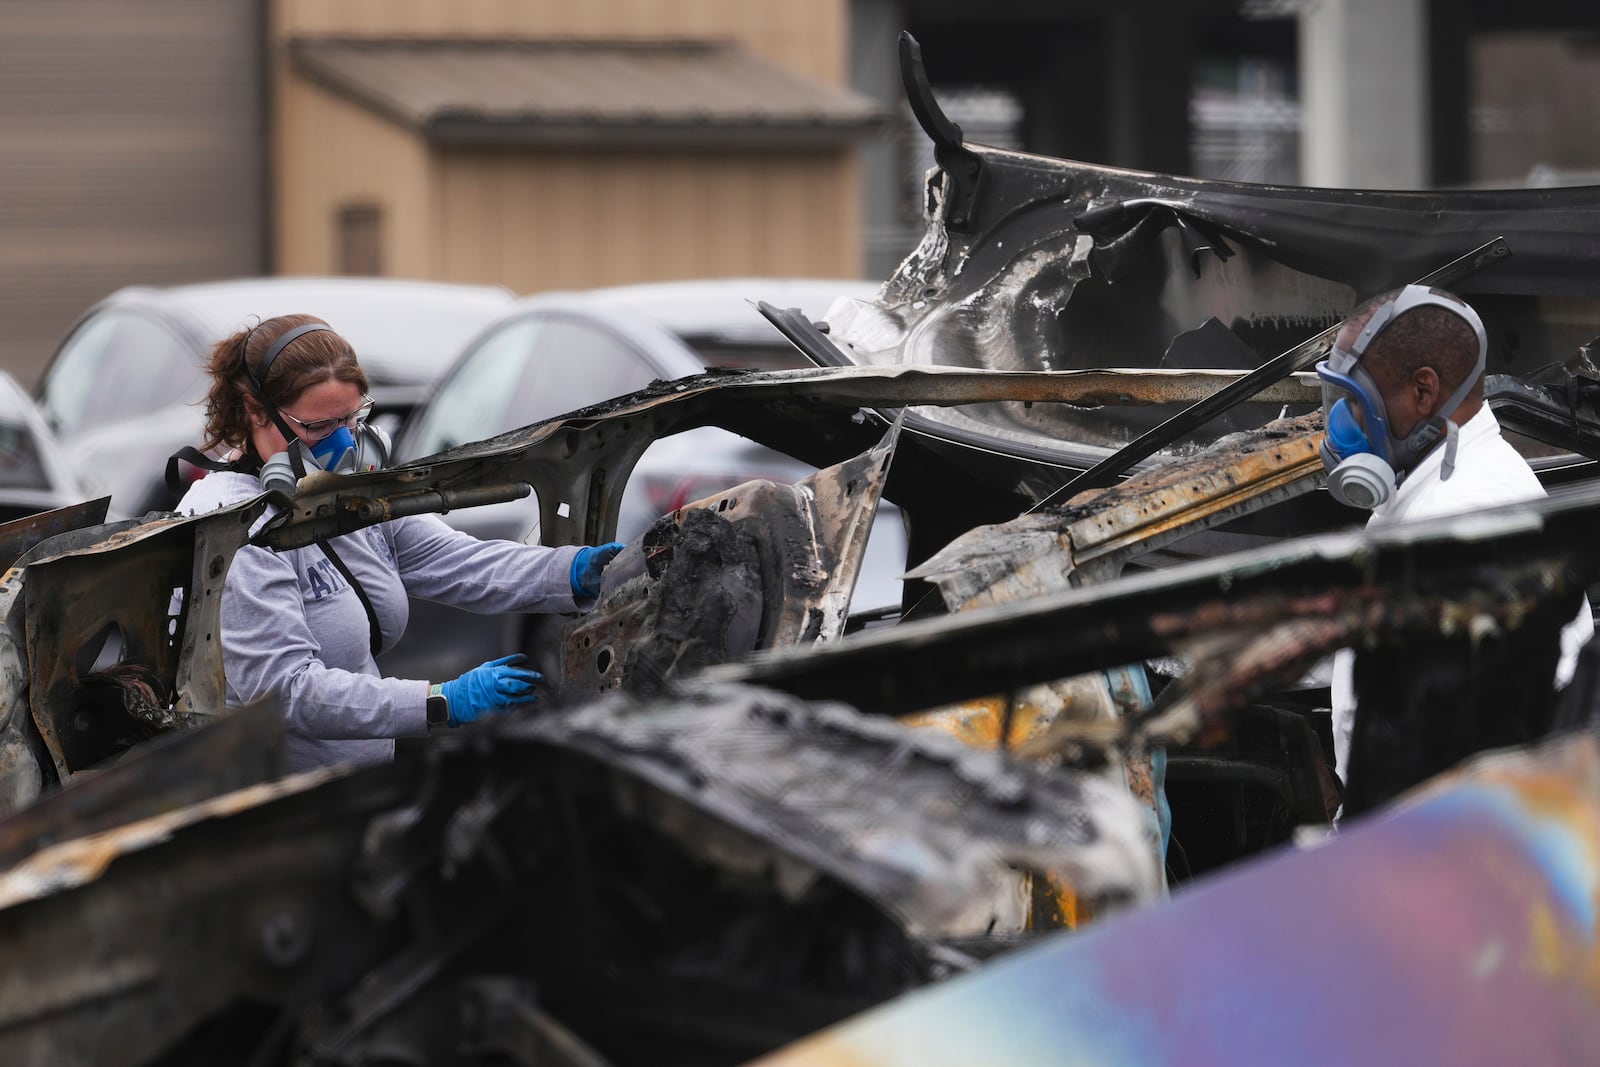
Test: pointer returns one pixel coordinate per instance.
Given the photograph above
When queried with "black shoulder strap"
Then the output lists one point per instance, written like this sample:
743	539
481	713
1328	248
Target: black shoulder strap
193	455
190	454
376	642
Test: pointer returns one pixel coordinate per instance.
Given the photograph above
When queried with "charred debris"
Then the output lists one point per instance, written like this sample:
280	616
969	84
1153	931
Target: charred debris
743	815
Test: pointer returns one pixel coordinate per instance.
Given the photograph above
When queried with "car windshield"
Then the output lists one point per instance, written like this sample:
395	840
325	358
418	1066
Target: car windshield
116	364
475	400
530	370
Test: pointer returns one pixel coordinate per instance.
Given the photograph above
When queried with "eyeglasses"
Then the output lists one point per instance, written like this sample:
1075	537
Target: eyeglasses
320	428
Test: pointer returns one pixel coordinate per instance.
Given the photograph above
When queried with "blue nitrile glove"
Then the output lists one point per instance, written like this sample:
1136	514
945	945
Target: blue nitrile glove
587	565
490	688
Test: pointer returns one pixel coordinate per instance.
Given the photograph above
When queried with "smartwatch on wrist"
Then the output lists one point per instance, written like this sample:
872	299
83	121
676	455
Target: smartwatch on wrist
438	707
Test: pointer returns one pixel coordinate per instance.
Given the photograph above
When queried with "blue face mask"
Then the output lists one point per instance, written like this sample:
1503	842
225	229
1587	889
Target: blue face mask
1346	438
332	448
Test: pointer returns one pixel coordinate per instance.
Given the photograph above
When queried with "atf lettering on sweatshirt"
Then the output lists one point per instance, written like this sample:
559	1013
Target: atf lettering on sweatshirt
322	579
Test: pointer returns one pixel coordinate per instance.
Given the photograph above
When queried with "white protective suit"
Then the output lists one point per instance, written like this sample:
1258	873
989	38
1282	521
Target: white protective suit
1488	473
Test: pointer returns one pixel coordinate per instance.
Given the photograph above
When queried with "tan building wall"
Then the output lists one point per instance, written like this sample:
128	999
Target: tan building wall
541	218
333	153
535	221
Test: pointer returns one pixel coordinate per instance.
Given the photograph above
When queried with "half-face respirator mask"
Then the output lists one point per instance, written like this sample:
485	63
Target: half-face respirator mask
342	452
1365	461
349	447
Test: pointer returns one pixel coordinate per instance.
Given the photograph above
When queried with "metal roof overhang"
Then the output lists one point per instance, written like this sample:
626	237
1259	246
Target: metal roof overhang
586	93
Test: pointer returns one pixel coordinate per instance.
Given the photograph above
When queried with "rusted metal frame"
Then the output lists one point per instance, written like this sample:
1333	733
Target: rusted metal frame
579	462
439	501
137	934
23	756
1100	548
931	663
1102	530
127	579
161	775
1297	358
20	536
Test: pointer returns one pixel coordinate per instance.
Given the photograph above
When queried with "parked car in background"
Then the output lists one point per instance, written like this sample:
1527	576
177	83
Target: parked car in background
125	388
557	352
34	473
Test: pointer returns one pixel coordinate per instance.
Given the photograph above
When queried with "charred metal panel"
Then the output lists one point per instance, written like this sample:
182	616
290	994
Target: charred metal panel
1090	538
1458	929
1087	543
1382	589
135	935
114	586
1560	406
783	771
696	880
23	757
1030	262
758	566
159	776
19	536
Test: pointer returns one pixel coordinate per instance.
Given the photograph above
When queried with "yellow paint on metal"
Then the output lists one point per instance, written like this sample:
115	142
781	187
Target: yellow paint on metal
1149	510
978	723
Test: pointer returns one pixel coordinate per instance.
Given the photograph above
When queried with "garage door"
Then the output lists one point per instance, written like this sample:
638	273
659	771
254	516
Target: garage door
132	141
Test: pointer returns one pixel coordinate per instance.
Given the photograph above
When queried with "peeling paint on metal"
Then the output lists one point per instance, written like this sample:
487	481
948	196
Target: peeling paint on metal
81	860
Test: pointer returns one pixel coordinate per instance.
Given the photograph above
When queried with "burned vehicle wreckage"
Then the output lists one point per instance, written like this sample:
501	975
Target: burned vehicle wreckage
741	816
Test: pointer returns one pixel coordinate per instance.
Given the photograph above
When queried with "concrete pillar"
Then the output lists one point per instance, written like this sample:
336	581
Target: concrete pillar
875	70
1364	92
1150	60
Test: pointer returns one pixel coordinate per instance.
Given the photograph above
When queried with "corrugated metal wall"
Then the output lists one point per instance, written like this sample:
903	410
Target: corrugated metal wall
132	140
810	37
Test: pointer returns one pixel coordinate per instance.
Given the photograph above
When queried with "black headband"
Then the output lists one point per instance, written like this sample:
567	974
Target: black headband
260	373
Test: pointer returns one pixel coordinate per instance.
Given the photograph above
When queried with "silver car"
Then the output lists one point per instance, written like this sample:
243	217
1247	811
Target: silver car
125	389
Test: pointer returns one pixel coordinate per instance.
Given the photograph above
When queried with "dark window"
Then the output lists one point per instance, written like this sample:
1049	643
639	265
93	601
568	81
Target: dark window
21	466
1534	97
360	239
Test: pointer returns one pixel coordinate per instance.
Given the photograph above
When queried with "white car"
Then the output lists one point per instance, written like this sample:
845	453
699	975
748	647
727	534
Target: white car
34	473
557	352
126	388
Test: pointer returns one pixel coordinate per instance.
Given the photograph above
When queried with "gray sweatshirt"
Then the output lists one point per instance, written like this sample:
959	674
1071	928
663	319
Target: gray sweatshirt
294	633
